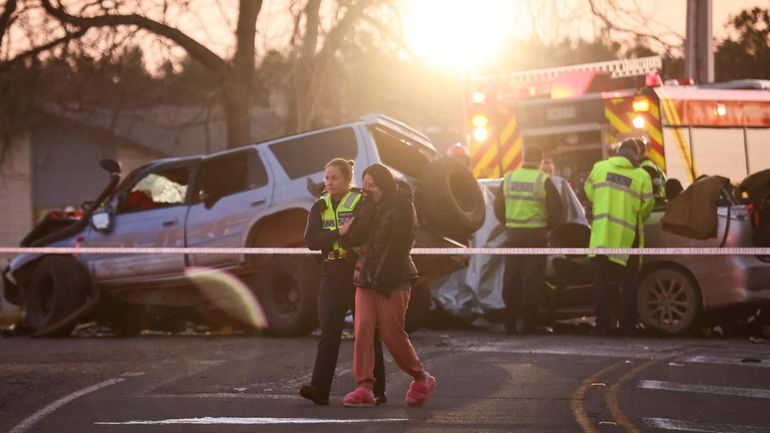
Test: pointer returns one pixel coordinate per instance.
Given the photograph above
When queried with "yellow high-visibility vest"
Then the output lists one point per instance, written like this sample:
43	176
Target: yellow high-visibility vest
524	192
332	218
622	200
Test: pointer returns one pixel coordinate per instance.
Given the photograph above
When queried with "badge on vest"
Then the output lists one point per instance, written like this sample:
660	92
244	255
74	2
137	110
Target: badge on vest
521	186
619	179
345	217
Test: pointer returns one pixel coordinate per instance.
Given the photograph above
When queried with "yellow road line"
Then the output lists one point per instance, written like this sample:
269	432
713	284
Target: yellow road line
614	392
577	404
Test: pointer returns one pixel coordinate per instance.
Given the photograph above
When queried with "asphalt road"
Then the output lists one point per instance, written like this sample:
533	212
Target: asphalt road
487	382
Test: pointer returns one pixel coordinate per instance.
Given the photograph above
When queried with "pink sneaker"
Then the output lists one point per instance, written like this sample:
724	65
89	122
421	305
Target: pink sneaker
420	391
361	397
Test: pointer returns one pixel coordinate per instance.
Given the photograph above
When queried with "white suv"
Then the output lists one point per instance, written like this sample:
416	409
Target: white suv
254	196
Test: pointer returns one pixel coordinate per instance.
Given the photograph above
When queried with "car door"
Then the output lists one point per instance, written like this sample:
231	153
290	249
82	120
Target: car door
149	212
231	190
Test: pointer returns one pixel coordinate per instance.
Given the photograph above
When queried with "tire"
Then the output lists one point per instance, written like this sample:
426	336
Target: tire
288	292
668	300
452	199
57	287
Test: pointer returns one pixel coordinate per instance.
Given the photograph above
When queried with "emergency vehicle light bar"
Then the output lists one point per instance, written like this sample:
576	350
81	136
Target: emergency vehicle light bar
616	69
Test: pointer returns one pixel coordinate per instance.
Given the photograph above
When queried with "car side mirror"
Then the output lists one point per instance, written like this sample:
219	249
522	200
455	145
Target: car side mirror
102	221
110	165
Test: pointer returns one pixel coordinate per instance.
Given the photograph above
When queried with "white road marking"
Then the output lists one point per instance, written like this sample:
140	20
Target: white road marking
248	421
704	359
680	425
33	419
235	395
601	352
705	389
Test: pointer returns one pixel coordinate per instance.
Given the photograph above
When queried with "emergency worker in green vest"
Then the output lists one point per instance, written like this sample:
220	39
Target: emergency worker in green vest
529	205
657	175
658	179
327	224
621	196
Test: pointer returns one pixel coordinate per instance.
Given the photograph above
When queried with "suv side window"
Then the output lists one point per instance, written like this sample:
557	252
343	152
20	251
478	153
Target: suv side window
162	188
302	156
397	155
231	173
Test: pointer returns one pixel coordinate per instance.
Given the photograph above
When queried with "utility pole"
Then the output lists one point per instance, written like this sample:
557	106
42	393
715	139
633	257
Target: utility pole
699	46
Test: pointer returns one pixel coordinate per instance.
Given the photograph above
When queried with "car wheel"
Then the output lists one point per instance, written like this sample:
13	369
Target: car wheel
668	300
57	287
288	293
452	199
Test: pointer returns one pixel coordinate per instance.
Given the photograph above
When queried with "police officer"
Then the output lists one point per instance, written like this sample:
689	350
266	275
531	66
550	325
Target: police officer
327	224
658	179
621	196
528	204
656	174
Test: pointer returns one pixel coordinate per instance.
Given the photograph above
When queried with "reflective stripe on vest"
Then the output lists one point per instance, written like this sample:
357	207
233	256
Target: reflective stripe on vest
524	192
332	219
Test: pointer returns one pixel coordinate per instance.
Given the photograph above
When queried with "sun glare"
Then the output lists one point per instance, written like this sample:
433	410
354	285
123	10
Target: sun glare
458	35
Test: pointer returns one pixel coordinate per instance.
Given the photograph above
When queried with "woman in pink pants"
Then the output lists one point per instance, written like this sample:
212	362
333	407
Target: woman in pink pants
384	273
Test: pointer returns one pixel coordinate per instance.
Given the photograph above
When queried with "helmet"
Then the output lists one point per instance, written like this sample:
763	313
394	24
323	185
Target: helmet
636	144
459	151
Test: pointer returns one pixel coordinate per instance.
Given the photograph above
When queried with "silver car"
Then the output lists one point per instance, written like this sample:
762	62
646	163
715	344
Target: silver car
675	292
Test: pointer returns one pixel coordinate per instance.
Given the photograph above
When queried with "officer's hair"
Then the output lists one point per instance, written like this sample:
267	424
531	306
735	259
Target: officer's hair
345	166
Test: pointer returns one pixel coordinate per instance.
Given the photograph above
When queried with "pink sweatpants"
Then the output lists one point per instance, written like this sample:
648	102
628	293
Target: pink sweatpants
374	311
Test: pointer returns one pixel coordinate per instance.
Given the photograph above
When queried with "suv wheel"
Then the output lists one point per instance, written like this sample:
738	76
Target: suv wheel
452	198
288	293
57	287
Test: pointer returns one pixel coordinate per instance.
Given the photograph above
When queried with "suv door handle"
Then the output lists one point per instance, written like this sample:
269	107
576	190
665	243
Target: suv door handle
170	223
257	203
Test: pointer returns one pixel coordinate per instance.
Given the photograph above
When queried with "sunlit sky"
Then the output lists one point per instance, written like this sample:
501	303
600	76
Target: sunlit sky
454	35
458	34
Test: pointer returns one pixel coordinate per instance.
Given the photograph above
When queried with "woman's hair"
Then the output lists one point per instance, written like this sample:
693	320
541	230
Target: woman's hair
345	166
383	178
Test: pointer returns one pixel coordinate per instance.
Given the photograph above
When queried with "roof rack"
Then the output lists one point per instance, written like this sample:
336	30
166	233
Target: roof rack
616	69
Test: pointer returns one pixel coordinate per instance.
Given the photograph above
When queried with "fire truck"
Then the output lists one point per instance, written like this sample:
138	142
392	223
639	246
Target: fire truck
576	114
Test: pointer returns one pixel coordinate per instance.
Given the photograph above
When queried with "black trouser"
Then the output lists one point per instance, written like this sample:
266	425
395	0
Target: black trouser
334	301
605	271
524	275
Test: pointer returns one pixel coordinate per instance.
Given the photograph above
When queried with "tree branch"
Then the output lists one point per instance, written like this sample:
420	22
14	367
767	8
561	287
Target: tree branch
37	50
196	50
5	18
610	25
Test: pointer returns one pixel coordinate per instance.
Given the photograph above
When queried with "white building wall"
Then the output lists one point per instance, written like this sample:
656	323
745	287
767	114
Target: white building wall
16	214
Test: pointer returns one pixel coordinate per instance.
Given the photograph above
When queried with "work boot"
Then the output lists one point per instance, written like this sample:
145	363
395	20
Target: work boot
312	393
380	399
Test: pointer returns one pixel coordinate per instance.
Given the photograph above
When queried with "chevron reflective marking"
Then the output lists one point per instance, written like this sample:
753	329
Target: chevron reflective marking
684	149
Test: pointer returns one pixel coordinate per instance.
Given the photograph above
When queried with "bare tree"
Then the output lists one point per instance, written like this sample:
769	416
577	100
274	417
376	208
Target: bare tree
232	68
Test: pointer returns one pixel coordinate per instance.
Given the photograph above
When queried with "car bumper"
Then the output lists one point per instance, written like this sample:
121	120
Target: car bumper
734	280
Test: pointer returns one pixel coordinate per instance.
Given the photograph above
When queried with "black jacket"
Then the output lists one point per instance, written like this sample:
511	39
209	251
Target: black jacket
386	230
